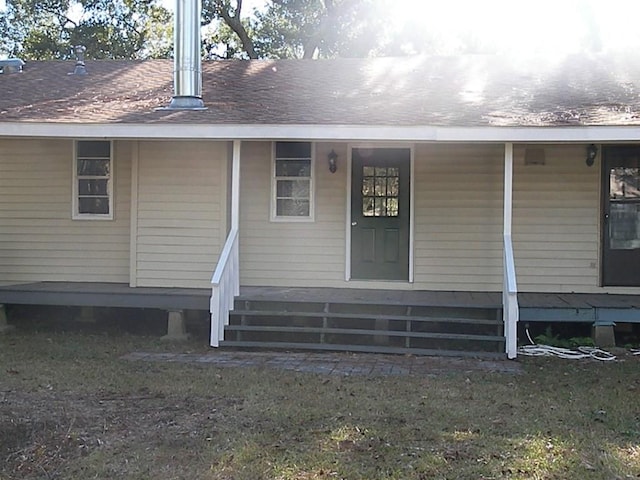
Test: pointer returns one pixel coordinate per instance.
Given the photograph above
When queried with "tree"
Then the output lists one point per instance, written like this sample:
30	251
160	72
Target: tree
295	28
48	29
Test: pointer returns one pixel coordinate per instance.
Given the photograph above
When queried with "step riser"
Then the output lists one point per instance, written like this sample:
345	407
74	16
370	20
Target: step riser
367	309
365	324
374	342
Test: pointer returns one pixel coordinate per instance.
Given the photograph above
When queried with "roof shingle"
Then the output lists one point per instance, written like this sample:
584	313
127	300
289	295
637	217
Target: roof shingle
434	91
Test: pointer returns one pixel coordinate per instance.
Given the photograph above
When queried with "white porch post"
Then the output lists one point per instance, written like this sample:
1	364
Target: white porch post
235	185
235	208
510	309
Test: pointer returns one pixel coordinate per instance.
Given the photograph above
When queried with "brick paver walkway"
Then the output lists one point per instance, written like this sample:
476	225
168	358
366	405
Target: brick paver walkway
343	364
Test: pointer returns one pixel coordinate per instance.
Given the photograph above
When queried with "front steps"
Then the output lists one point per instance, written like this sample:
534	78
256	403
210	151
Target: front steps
365	327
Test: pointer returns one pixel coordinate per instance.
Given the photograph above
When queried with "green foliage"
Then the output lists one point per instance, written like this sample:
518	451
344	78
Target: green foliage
553	340
295	29
39	30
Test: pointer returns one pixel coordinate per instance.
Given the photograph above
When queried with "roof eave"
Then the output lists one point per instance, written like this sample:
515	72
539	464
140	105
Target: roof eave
417	133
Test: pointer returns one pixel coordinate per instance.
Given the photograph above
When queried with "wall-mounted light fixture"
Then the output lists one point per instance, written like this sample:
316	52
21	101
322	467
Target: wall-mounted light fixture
592	153
333	161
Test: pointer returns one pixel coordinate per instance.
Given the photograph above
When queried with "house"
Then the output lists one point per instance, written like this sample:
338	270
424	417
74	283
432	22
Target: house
464	177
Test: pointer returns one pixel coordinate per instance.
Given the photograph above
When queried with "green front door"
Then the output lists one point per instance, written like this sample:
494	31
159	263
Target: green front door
380	213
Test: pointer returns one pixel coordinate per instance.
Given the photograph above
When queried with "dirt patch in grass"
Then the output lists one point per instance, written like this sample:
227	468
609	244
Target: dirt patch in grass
71	408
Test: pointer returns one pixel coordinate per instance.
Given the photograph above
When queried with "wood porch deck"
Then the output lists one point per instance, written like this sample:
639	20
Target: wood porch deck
89	294
534	307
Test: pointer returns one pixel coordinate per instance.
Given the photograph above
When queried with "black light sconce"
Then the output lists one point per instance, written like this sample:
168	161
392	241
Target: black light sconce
592	153
333	161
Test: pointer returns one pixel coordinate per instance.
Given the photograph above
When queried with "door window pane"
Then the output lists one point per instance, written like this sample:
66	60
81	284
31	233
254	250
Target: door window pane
624	226
380	191
624	183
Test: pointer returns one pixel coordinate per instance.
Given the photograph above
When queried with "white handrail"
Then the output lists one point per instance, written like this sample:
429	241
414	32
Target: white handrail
225	286
510	309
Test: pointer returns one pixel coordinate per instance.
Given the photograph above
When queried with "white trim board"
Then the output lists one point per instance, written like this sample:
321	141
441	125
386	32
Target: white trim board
425	133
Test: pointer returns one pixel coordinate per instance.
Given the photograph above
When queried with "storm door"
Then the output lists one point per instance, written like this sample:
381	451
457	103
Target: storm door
621	225
380	213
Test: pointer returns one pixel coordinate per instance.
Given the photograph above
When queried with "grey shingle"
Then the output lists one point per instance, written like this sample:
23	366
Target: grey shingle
434	91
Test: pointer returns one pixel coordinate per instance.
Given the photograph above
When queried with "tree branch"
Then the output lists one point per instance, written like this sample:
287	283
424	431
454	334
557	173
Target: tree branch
234	22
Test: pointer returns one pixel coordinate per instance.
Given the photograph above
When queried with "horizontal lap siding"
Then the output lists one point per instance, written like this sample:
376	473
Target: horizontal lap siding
181	222
556	221
458	217
288	253
38	239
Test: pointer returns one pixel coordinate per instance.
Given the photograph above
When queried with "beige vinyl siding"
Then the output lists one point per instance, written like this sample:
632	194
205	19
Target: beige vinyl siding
556	221
38	239
291	253
458	217
181	212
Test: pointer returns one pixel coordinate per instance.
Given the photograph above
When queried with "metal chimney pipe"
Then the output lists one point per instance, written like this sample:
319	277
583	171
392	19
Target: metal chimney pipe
187	63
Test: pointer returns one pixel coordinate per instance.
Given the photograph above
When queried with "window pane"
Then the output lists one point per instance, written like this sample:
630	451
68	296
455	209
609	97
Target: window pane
292	208
367	187
96	205
624	183
293	168
293	188
380	207
94	148
381	172
293	150
392	207
367	207
624	226
392	186
393	172
368	171
99	168
381	187
92	187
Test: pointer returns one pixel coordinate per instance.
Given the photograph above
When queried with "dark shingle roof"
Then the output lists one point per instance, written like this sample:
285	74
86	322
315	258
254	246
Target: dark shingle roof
435	91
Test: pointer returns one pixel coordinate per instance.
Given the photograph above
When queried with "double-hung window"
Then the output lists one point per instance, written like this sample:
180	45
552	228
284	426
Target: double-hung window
93	180
292	182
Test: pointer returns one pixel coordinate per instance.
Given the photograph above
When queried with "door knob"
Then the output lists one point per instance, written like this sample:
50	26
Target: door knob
353	224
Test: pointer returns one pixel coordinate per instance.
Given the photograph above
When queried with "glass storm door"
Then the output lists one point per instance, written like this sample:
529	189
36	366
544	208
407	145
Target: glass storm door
621	226
380	196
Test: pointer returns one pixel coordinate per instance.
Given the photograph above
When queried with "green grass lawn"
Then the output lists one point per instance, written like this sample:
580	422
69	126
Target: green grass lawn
70	408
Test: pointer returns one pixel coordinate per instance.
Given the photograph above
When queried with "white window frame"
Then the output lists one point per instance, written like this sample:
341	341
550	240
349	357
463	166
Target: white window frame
76	215
274	190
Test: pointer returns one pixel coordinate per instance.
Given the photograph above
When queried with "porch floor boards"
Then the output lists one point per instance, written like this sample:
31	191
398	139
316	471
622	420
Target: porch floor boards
426	298
533	306
93	294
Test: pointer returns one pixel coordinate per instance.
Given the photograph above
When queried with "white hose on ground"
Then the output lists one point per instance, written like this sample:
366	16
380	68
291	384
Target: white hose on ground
535	350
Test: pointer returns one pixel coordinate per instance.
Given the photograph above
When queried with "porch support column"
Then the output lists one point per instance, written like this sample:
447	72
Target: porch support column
176	326
4	326
510	309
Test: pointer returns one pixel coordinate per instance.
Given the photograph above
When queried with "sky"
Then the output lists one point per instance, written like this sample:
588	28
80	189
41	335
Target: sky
532	26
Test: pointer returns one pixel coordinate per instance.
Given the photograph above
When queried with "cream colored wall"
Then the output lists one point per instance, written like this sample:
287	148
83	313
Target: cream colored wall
180	208
458	217
291	253
180	224
38	239
458	222
458	227
556	230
